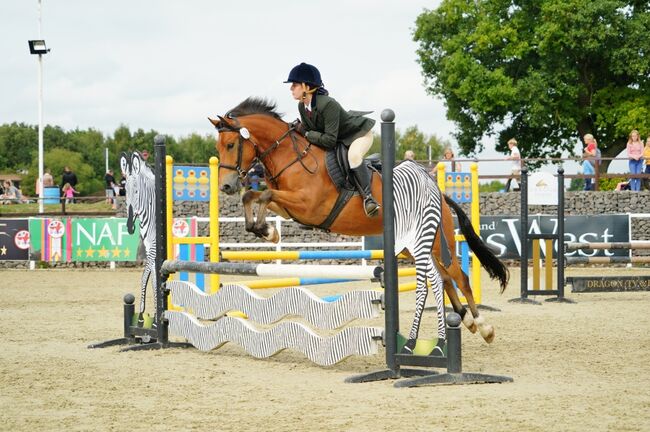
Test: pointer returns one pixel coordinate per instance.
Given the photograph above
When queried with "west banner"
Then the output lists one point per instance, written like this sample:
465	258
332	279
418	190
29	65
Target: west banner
82	239
502	233
14	239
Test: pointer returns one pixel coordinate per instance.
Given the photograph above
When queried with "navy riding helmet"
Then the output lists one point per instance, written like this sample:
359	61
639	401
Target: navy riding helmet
305	73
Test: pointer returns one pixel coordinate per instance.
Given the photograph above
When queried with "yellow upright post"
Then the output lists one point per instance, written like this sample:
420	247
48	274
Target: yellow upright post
549	264
475	212
169	217
169	211
214	219
536	265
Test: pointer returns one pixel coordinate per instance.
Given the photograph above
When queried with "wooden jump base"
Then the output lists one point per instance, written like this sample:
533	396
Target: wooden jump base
609	283
613	245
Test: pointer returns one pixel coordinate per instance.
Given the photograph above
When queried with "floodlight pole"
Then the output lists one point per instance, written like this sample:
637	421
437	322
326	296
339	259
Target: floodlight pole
40	119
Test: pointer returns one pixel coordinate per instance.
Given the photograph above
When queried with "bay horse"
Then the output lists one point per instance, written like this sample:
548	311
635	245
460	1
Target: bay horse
299	187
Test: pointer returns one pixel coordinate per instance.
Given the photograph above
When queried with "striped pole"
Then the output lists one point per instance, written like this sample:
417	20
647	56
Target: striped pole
304	255
613	245
273	270
607	260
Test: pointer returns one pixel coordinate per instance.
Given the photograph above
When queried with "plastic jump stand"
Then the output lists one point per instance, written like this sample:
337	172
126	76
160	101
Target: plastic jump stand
140	338
423	377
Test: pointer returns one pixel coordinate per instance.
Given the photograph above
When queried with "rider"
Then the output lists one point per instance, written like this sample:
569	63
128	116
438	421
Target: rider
325	123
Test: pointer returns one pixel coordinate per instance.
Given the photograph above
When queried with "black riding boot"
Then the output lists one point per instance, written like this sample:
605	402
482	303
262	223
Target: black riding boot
362	177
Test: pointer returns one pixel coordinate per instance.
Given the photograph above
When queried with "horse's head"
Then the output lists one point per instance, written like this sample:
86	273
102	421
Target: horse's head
236	153
246	133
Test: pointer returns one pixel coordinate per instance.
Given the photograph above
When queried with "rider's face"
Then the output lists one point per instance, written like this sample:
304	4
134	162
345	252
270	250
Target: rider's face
296	91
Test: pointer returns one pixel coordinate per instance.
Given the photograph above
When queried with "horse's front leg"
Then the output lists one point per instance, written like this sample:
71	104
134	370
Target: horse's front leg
248	199
267	230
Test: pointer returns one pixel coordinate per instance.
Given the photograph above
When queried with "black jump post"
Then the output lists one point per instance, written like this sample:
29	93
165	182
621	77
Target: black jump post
394	360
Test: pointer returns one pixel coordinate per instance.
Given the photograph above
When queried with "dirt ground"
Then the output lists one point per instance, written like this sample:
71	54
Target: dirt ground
576	367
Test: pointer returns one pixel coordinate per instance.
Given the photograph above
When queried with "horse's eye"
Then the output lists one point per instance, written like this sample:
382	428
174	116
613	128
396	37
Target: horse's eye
230	146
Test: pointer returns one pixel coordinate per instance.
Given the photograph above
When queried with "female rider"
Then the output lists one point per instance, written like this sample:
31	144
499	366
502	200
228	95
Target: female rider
325	123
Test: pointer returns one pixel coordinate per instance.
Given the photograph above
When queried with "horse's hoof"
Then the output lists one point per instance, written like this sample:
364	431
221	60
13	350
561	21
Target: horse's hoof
487	332
468	321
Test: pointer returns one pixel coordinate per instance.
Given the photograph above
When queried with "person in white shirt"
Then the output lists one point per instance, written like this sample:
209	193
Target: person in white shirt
515	156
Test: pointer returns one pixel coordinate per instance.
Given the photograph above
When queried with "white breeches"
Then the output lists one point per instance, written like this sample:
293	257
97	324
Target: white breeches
358	149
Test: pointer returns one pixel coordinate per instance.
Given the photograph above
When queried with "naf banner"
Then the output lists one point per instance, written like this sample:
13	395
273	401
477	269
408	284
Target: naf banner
82	239
14	239
501	233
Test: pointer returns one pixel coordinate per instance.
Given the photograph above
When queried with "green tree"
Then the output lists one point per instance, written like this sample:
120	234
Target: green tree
413	139
493	186
58	158
545	72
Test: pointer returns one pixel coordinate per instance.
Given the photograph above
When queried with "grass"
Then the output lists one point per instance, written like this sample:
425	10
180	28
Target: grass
17	209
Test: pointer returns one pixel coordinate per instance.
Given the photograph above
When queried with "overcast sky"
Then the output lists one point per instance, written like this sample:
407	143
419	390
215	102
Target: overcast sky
167	65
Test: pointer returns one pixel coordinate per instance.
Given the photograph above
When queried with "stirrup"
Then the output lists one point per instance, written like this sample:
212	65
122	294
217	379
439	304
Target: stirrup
370	206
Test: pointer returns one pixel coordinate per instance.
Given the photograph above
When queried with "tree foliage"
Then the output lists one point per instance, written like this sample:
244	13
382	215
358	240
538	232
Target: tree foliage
413	139
84	151
546	72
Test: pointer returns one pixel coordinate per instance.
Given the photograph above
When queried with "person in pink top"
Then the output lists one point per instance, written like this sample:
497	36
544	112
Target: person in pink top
635	156
68	193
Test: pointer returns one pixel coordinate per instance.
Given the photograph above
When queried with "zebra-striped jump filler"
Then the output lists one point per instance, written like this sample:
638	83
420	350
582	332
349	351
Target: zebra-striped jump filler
293	301
324	351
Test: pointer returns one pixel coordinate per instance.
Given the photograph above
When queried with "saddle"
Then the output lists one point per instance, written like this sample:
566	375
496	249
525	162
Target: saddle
338	169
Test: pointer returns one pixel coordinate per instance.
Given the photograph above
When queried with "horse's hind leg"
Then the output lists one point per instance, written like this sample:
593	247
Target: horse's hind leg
456	304
456	272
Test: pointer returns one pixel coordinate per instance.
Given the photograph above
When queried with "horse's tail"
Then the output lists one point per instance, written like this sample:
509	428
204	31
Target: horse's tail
488	260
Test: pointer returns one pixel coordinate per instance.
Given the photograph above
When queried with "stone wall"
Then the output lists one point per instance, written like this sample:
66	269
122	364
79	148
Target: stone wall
491	204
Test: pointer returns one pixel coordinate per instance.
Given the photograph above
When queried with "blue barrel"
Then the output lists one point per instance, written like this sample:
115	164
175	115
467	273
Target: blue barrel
51	195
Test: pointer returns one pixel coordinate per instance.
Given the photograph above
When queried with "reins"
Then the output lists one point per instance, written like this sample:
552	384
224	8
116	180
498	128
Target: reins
260	156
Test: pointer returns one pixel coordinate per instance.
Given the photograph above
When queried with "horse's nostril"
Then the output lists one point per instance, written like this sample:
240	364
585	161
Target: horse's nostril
225	188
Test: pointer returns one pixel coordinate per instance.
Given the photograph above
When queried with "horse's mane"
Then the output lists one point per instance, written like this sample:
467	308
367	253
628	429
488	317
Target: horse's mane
255	105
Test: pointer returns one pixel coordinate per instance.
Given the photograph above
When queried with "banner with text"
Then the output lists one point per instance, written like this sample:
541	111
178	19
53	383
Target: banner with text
82	239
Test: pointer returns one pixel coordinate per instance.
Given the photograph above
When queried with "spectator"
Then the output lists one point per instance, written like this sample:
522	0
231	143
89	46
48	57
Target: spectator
621	186
48	180
68	193
646	158
635	157
109	179
409	155
10	195
514	156
449	159
255	175
68	178
589	160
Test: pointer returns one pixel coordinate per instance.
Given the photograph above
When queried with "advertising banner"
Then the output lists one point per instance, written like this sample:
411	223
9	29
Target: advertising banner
502	233
82	239
14	239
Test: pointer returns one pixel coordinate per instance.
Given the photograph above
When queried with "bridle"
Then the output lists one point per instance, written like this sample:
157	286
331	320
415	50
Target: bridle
245	135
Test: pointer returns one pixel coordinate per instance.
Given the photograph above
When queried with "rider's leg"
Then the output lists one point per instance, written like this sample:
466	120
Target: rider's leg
357	151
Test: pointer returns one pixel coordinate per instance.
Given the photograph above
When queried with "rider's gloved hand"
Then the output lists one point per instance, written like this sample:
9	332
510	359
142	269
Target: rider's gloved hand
298	126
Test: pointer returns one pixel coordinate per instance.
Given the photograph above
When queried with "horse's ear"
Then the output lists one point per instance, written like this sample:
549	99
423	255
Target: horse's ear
215	123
